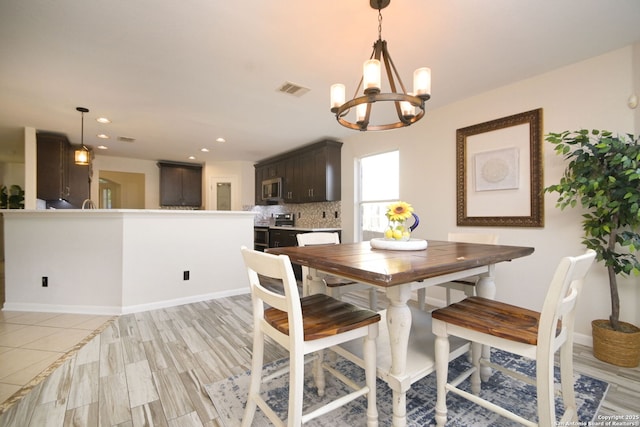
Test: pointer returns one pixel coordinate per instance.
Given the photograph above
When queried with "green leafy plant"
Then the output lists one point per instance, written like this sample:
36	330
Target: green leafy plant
13	198
603	176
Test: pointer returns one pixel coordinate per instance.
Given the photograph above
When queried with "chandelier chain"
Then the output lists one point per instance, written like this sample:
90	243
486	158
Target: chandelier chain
379	24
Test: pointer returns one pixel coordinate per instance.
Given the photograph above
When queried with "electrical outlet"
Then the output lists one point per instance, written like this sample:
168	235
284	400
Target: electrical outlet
324	214
185	275
336	214
45	281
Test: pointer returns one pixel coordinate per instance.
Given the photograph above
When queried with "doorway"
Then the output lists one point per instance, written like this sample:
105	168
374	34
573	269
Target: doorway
121	190
223	194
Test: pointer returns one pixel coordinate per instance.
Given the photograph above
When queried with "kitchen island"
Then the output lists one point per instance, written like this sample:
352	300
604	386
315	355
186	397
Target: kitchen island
116	261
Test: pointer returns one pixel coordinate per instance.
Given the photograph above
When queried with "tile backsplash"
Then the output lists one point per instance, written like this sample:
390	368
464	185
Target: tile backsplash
311	215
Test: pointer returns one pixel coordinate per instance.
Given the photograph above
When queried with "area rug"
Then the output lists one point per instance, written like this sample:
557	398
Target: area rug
229	397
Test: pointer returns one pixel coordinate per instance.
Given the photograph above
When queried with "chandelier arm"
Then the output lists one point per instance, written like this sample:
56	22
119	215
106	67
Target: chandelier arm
362	125
388	62
390	69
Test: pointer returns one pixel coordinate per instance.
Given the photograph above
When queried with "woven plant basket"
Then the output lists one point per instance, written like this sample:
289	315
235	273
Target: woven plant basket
615	347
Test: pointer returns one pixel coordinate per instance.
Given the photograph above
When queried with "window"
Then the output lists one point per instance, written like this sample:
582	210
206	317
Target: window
379	186
106	198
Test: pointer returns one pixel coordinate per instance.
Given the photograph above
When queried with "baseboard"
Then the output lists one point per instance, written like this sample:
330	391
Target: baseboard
586	340
116	311
54	308
181	301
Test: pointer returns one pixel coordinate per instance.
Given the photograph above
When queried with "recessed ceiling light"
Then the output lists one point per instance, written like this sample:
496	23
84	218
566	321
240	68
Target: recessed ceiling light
204	150
220	140
103	147
192	157
103	136
103	120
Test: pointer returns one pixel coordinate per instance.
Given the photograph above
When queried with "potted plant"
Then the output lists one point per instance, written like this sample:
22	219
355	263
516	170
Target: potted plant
603	176
13	198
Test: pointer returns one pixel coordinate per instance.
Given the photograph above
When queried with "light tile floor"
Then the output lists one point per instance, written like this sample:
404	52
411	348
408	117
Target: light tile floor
30	342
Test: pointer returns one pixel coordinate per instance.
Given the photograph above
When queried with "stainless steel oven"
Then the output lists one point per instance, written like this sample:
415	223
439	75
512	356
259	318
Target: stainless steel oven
260	238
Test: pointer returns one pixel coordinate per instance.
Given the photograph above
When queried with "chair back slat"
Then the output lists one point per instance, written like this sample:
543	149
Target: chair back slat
562	295
262	265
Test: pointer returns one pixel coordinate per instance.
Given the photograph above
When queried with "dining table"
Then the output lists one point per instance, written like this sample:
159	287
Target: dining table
405	343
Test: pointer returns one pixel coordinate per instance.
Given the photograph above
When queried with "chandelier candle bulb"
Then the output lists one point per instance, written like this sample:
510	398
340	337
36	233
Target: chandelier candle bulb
371	76
338	95
407	109
422	82
361	112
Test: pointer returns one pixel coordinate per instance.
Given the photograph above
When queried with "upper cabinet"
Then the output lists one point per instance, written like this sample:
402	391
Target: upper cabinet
58	177
309	174
180	184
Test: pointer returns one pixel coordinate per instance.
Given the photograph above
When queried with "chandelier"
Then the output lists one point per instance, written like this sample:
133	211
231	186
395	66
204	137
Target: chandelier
403	104
82	156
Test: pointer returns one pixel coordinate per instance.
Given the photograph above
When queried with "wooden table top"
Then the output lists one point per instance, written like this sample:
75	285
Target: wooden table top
361	262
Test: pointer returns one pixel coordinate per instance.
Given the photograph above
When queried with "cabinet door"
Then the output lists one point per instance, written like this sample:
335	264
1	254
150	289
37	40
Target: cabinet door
279	238
291	185
170	186
260	176
51	165
191	186
313	174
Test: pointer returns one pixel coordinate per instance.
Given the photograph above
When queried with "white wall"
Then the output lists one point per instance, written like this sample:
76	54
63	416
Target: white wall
590	94
242	178
242	173
120	164
123	260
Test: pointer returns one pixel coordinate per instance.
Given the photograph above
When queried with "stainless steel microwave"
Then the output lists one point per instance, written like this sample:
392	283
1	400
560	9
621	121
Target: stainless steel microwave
272	189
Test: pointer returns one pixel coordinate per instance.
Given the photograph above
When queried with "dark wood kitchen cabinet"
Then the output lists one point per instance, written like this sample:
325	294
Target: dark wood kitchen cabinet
309	174
58	177
320	175
180	184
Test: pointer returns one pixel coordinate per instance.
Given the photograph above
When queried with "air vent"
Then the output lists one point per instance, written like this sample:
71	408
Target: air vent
293	89
126	139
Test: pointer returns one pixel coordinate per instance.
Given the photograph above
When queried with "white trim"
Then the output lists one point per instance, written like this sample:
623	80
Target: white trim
116	311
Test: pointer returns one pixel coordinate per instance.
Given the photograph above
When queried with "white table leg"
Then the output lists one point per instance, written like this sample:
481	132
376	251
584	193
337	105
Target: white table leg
486	288
399	326
315	283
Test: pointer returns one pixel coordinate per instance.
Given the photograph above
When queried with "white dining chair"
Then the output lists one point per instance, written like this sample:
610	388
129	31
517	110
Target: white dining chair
530	334
466	285
336	286
304	326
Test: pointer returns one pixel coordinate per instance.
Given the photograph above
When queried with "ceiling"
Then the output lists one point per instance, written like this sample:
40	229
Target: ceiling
175	76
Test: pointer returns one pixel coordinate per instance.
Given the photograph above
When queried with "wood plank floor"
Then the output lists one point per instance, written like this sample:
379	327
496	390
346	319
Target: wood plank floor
148	369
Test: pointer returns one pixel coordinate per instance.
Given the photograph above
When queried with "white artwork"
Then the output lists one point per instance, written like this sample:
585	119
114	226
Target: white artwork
497	169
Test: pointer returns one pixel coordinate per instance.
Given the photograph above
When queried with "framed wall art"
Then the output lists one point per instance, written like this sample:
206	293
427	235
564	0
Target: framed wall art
499	172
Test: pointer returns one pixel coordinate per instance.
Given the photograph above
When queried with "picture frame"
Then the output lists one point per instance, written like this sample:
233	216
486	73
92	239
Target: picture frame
499	172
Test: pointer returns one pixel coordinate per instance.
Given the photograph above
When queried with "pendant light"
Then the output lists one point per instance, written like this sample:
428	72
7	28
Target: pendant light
82	155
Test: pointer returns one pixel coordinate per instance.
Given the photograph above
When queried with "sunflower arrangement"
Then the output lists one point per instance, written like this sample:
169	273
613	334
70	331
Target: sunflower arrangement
398	213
